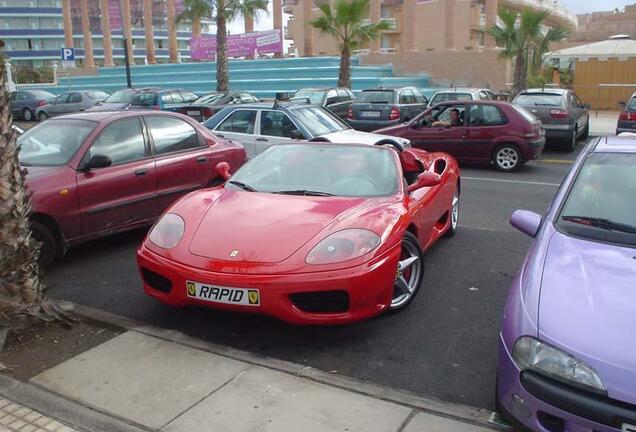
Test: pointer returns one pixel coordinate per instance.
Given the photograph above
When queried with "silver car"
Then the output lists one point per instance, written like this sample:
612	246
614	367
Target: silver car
70	102
461	93
562	113
259	126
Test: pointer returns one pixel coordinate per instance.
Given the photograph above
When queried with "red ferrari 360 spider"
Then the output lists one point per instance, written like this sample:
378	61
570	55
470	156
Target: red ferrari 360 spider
315	233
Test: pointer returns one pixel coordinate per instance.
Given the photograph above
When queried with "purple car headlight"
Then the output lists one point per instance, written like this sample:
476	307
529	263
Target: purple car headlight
168	231
532	354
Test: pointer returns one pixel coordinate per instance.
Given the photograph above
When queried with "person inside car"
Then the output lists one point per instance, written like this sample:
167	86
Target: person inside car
455	120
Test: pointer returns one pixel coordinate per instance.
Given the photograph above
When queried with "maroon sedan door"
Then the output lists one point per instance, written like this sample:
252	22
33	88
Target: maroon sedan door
485	124
447	139
122	194
184	160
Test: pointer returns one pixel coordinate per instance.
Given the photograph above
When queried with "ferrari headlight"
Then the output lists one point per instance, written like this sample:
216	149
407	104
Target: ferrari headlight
168	231
343	245
530	353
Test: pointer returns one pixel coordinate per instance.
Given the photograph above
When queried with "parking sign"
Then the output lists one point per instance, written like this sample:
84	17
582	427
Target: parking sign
68	54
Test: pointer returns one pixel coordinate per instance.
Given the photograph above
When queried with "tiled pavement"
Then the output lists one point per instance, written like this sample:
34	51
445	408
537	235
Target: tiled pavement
17	418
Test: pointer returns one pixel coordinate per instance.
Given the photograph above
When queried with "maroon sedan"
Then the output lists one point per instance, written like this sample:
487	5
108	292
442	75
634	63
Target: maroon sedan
94	174
498	133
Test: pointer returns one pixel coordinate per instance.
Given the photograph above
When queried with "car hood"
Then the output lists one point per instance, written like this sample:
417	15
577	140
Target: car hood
587	305
263	228
37	172
359	137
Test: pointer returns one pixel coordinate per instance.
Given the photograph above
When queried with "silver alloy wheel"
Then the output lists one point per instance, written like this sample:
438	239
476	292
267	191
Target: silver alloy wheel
455	211
407	277
28	115
507	158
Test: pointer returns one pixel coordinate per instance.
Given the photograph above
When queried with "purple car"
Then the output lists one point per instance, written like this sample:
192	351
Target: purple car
567	354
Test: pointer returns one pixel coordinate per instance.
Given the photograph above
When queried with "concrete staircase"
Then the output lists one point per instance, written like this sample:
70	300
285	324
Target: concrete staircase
263	78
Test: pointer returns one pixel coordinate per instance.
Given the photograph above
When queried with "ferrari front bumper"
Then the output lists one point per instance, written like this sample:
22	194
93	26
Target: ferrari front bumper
368	288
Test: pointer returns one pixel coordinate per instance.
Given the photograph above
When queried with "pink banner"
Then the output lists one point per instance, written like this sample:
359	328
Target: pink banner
240	45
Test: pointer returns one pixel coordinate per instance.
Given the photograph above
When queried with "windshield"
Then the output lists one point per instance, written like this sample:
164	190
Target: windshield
40	94
54	142
380	96
320	169
442	97
600	204
318	121
314	96
97	95
524	112
632	105
144	99
540	99
120	96
209	98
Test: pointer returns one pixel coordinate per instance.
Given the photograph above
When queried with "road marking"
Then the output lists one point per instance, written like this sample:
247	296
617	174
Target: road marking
556	161
511	181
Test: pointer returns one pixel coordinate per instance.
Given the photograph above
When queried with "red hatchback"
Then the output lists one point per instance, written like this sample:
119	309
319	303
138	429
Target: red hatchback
498	133
94	174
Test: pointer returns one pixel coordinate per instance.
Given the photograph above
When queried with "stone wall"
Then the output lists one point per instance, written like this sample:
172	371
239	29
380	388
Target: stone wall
461	68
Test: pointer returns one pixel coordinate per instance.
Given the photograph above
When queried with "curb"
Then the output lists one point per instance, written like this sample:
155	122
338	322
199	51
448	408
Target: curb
463	413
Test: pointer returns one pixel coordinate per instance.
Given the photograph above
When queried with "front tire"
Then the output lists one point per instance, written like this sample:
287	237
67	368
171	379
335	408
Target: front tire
49	246
42	116
27	115
507	158
454	215
409	273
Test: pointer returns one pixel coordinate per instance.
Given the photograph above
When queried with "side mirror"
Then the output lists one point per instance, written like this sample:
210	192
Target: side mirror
526	221
296	134
97	161
223	170
425	179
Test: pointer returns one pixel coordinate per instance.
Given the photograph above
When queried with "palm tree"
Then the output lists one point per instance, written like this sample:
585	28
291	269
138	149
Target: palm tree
193	11
541	45
21	291
516	36
347	23
224	11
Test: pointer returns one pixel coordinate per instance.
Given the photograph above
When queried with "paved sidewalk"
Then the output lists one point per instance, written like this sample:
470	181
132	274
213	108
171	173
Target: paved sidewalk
158	384
603	122
154	379
17	418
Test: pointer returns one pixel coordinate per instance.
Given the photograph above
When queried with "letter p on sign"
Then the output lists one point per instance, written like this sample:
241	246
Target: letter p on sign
68	54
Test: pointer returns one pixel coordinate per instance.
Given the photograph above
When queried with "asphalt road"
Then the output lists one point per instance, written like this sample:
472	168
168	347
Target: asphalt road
443	345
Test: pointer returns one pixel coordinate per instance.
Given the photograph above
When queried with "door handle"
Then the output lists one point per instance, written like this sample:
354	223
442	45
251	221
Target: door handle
202	159
141	172
262	139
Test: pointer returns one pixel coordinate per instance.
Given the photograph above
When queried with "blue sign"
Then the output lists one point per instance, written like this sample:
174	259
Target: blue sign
68	54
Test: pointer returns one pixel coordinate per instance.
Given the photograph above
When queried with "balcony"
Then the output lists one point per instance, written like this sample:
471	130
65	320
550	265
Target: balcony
388	51
479	23
288	6
362	52
392	22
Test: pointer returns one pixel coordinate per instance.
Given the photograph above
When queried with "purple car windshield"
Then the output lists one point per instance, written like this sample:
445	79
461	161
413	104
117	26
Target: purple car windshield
600	204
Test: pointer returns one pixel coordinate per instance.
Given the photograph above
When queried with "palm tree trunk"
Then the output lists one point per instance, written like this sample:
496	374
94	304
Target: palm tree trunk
172	33
149	33
196	27
222	79
344	77
108	44
21	292
89	60
519	79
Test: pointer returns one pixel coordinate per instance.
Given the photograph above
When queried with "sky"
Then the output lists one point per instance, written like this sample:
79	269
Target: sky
583	6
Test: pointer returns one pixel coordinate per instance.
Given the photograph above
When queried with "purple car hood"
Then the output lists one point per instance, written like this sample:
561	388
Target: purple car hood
588	308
